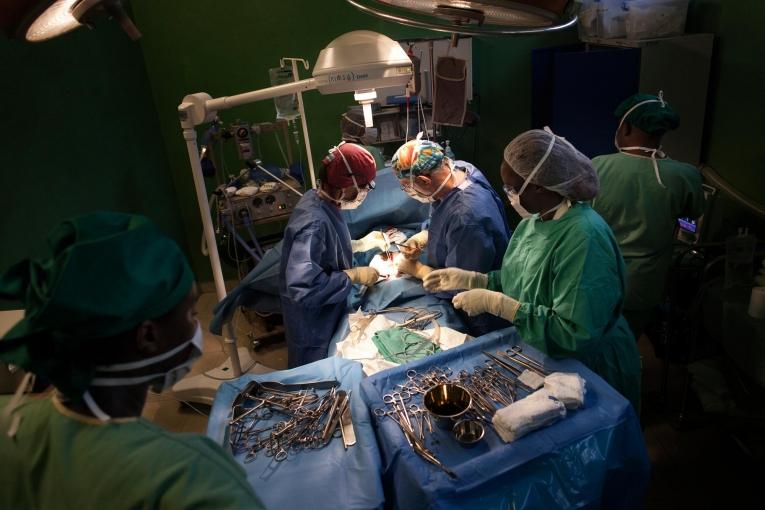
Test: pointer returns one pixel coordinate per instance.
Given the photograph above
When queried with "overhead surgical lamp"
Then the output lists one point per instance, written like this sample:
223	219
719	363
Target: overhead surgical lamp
41	20
358	62
475	17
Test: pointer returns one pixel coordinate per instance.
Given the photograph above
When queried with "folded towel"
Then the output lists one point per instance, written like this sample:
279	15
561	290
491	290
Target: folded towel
526	415
531	379
566	387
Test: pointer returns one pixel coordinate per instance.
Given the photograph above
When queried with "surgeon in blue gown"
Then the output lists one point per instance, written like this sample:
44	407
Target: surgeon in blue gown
467	229
316	273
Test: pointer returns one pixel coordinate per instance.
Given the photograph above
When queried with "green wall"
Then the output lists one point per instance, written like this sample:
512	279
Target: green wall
737	90
733	140
78	133
224	47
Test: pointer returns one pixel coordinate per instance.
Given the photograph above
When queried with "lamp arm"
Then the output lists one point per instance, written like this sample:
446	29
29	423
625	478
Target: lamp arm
226	102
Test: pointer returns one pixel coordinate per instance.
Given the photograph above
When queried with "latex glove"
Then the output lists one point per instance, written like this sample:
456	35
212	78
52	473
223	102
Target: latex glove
364	275
414	268
412	247
374	239
454	278
478	301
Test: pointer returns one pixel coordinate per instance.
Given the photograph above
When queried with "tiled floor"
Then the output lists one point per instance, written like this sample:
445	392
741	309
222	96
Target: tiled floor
698	465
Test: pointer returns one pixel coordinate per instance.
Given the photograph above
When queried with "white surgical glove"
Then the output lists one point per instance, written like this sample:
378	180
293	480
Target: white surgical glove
414	268
454	278
412	247
364	275
374	239
478	301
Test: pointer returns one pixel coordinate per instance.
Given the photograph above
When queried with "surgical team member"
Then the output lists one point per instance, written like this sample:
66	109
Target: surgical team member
562	278
109	314
353	130
468	228
643	192
316	273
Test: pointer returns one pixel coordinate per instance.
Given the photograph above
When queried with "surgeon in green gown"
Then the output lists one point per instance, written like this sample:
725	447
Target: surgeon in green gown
108	314
642	194
562	278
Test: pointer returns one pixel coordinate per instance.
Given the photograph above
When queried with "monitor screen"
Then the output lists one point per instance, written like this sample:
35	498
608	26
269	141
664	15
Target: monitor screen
687	224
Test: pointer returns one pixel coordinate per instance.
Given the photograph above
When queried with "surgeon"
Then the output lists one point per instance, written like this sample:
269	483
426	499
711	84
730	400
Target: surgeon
109	314
562	278
468	228
643	193
316	273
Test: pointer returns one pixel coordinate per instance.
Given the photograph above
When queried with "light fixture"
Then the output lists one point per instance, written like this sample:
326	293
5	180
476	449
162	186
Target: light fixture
361	61
47	19
475	17
358	62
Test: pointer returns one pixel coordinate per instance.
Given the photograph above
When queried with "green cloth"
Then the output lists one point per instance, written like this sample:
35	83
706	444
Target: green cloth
68	463
400	345
107	273
569	278
652	118
643	216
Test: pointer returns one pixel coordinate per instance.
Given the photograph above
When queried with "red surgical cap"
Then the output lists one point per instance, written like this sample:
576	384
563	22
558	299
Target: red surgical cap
361	162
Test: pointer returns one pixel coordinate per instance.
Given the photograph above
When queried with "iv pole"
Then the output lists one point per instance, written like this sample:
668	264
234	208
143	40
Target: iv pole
196	109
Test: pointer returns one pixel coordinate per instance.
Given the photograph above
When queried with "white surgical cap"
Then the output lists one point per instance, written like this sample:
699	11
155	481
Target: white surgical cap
565	171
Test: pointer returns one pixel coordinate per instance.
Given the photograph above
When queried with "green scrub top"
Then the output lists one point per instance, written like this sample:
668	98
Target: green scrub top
643	216
72	461
569	278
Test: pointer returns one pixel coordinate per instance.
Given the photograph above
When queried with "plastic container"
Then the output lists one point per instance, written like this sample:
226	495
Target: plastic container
649	19
602	19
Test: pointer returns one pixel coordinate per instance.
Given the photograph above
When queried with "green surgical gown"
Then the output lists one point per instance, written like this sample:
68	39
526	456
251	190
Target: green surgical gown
569	278
643	216
67	462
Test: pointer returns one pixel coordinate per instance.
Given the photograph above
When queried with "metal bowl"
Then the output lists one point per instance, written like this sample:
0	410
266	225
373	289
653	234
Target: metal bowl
447	402
468	432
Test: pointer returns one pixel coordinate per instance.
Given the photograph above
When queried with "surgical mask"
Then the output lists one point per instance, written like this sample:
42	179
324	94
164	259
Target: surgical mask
515	196
361	195
413	194
162	381
369	136
653	151
425	199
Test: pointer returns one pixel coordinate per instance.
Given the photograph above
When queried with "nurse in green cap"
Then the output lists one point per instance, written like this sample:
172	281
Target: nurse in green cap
108	315
642	193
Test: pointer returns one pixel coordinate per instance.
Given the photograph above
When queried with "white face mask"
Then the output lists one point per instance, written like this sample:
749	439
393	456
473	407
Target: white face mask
361	195
426	199
163	381
653	151
369	136
515	196
413	194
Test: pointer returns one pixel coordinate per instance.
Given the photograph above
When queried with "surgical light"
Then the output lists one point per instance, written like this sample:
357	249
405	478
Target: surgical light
475	17
48	19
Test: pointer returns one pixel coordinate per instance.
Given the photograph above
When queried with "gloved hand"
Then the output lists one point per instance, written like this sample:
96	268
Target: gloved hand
478	301
454	278
414	268
364	275
412	247
374	239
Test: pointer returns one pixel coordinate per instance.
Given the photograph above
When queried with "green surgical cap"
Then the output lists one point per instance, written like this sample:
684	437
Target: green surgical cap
107	273
654	118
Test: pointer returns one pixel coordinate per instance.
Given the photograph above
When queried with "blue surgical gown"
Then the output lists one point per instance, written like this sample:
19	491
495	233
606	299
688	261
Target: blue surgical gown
468	229
312	285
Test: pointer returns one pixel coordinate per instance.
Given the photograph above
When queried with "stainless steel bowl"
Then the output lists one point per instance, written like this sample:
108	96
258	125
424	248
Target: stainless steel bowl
447	402
468	432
